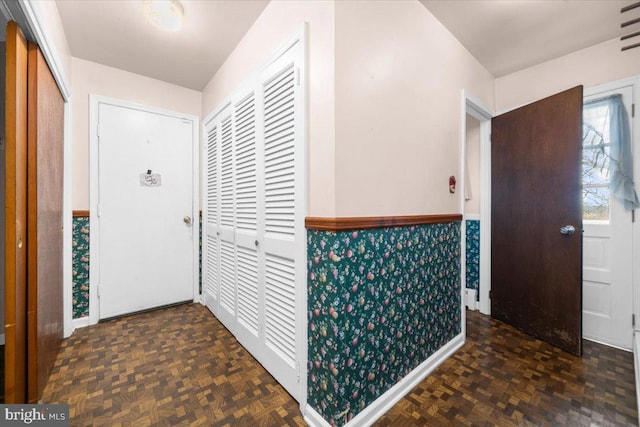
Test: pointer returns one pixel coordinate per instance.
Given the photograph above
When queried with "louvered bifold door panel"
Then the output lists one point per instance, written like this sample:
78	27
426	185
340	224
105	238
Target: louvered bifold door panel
227	176
210	217
255	253
281	128
228	294
246	208
248	289
280	299
279	155
245	155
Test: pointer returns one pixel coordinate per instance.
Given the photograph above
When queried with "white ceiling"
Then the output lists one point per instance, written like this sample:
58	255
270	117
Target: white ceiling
504	36
114	33
507	36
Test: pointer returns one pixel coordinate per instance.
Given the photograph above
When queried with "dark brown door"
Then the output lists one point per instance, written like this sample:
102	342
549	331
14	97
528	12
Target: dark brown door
44	229
16	217
536	271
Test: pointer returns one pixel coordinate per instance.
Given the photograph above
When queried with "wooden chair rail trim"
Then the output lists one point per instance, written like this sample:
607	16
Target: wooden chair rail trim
363	223
80	213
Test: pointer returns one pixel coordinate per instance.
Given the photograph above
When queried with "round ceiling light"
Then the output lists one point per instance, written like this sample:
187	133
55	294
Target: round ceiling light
165	14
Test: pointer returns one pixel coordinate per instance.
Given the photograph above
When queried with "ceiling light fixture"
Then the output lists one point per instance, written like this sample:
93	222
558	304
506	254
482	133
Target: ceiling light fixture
165	14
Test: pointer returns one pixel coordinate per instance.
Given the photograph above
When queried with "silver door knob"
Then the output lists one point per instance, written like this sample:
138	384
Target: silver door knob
187	219
567	230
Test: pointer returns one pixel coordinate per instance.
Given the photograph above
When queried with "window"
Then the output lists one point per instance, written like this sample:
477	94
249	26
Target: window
596	161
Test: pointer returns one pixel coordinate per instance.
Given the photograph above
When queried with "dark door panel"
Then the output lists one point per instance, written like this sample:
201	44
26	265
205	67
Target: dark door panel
44	262
536	271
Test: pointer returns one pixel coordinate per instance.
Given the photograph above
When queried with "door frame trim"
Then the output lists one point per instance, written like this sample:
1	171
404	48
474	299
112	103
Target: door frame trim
94	223
476	109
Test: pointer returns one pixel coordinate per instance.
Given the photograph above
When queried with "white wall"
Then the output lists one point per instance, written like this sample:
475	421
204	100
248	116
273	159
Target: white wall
472	206
277	23
399	76
92	78
592	66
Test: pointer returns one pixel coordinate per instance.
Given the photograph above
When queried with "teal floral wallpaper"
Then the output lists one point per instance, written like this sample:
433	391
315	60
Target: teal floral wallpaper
380	302
80	266
473	256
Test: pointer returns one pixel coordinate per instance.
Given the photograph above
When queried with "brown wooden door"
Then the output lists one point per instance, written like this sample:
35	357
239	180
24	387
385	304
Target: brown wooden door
16	217
536	272
44	230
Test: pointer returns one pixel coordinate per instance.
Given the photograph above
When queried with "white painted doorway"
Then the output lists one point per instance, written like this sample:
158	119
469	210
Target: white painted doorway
608	231
144	222
474	108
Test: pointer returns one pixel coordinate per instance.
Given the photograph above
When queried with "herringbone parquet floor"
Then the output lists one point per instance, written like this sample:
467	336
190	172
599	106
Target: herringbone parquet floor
180	366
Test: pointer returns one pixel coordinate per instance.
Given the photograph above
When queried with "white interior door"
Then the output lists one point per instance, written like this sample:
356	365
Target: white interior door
253	237
226	230
247	187
283	200
145	210
607	239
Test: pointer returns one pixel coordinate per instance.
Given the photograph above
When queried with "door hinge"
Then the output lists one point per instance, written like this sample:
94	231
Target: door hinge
297	76
98	290
490	294
99	210
633	110
98	131
298	373
633	320
633	215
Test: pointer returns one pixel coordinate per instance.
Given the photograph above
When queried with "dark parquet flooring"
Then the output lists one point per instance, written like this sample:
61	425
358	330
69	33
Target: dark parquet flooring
177	366
180	366
503	377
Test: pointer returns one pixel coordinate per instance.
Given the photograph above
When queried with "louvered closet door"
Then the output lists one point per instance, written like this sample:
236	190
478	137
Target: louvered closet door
227	310
254	245
211	220
246	210
283	204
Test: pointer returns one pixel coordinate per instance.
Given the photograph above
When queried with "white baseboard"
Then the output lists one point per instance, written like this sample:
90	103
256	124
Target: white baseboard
608	344
636	363
392	396
1	339
314	419
470	298
80	323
